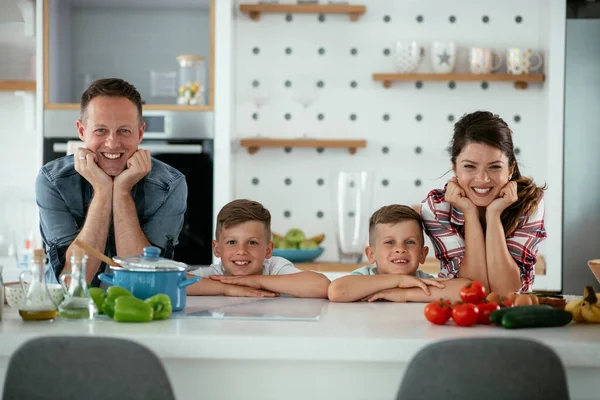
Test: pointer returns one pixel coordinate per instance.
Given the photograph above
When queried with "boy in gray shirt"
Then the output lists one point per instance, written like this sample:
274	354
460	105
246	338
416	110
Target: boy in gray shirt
395	251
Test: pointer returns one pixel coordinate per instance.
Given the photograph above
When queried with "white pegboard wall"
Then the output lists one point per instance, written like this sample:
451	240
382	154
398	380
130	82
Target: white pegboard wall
407	127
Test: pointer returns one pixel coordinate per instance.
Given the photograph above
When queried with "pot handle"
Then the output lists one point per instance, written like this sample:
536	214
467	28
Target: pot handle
107	278
189	281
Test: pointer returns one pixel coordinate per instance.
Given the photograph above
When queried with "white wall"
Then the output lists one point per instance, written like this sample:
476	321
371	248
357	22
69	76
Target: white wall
18	136
535	115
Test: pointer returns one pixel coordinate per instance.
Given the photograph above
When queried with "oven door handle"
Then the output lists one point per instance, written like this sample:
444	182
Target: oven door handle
164	148
161	148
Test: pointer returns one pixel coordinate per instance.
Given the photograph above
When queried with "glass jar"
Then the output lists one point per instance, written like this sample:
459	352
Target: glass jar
38	304
191	80
78	303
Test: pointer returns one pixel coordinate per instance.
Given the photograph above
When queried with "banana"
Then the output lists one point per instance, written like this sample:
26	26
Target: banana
276	236
574	307
590	309
318	239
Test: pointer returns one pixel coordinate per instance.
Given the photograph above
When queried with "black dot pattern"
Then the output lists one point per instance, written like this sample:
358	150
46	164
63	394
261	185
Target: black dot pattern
385	149
288	181
255	181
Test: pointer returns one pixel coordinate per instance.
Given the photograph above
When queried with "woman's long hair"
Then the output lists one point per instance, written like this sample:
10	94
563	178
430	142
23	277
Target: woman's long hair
487	128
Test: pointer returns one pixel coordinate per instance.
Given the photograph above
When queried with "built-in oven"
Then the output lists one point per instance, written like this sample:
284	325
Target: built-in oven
184	140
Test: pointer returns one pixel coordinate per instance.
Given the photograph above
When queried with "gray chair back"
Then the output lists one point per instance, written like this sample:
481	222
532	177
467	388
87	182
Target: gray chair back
91	368
485	368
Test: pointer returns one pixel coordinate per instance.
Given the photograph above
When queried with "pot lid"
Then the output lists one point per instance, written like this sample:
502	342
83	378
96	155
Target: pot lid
149	261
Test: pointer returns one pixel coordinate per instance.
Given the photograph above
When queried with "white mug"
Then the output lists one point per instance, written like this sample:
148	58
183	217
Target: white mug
484	60
518	61
408	56
443	57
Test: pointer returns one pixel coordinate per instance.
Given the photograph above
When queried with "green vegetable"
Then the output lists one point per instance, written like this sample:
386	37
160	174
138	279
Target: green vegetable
536	318
97	294
132	309
112	294
496	316
161	304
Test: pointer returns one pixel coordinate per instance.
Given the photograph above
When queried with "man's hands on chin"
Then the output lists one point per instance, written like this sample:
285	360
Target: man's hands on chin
86	164
138	166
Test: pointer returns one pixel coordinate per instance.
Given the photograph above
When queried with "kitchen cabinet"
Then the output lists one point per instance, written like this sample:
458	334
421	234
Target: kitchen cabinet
136	40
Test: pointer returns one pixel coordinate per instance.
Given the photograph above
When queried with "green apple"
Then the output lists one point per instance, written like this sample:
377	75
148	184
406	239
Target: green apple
295	236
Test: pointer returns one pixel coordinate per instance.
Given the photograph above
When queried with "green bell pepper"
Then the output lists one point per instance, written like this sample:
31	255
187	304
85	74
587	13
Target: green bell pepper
132	309
97	294
161	304
112	294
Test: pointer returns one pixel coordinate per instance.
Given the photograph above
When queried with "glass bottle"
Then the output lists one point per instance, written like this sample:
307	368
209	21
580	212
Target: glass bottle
38	304
191	80
78	303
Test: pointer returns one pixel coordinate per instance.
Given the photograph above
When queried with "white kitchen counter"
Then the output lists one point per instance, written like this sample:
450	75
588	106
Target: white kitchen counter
354	351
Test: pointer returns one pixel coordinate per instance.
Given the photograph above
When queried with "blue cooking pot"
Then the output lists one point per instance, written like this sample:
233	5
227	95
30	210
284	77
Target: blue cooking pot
147	275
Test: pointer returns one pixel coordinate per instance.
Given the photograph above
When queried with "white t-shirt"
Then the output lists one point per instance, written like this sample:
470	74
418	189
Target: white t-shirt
372	270
271	266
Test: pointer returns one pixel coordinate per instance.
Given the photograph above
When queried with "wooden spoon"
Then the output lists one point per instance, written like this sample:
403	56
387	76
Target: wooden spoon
95	253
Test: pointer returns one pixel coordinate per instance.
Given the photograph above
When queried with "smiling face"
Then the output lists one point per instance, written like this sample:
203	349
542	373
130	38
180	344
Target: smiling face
111	129
482	171
243	248
397	248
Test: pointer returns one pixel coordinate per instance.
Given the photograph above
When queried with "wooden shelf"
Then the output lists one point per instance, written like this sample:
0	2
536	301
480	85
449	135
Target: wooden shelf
254	144
431	266
145	107
17	86
520	81
254	10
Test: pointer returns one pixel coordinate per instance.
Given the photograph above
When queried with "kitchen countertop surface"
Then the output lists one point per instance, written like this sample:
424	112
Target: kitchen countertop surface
375	332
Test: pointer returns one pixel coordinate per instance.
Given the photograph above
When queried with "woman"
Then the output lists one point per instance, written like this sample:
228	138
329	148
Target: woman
488	222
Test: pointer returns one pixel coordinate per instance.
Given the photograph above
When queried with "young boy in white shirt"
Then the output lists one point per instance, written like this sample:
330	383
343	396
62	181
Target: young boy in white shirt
396	249
247	267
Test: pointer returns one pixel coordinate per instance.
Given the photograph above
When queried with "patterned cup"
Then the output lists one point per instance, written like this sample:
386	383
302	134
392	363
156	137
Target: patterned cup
443	57
519	61
484	61
408	56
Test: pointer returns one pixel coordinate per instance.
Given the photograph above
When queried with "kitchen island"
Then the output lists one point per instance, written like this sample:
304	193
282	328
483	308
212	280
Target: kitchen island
287	348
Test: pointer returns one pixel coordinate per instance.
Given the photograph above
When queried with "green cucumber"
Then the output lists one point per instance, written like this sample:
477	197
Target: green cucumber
536	318
496	316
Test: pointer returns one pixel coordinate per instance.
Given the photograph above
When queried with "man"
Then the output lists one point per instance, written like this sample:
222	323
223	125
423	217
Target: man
110	194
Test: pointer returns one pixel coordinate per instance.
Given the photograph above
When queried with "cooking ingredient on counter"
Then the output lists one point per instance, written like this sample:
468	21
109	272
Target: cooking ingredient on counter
496	316
502	301
465	314
438	312
77	303
296	239
132	309
98	295
486	307
112	294
586	309
161	305
533	316
473	292
38	304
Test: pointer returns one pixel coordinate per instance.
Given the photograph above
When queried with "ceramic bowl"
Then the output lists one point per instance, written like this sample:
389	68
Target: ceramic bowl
15	296
299	256
595	267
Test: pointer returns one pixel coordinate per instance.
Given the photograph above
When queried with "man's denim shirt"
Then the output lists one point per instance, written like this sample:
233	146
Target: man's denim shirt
63	198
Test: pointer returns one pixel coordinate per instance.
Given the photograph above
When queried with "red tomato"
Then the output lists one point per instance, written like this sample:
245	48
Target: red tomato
485	309
438	312
504	302
473	292
465	314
